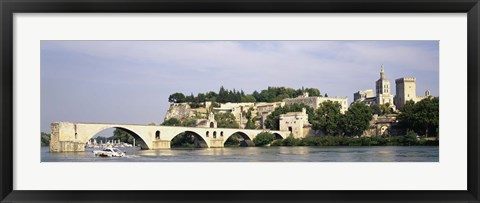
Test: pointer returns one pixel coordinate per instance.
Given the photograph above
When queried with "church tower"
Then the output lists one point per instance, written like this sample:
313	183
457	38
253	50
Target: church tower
383	89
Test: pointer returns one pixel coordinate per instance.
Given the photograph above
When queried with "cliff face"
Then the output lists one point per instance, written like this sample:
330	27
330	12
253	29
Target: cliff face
182	111
179	111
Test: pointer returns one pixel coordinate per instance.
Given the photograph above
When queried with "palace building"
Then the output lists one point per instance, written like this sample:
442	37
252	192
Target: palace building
382	95
405	91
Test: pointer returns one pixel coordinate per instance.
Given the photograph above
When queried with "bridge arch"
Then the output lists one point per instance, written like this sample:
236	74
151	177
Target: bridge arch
246	138
139	139
278	136
199	140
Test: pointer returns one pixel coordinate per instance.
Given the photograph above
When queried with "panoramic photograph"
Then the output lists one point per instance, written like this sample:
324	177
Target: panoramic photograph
239	101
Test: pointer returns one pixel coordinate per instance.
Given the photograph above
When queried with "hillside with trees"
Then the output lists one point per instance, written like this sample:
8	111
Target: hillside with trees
271	94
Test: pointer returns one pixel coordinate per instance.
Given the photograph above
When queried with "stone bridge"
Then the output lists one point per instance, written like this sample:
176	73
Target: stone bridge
72	136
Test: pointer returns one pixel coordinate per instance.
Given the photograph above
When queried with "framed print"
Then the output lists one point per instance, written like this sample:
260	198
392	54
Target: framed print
239	101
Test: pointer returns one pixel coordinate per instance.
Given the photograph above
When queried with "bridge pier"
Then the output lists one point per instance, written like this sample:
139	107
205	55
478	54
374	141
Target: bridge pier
58	145
67	146
161	144
216	143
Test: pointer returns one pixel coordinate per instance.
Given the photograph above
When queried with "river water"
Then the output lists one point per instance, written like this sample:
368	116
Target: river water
259	154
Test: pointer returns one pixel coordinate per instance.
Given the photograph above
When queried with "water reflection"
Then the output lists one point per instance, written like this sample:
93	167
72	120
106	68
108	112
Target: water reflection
259	154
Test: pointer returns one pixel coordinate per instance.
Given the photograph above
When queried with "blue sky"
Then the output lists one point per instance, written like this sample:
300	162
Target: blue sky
130	81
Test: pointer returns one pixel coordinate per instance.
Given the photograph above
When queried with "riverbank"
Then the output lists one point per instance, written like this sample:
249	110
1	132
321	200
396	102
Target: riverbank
352	141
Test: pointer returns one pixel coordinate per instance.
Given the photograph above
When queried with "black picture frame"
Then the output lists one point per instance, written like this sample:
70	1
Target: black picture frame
10	7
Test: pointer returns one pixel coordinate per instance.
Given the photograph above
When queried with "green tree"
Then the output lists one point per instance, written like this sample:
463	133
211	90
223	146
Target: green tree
45	139
248	98
410	138
356	119
233	141
211	96
381	109
250	123
313	92
201	97
183	140
176	98
263	138
291	141
375	108
222	95
421	117
172	122
328	118
386	109
190	98
123	136
226	120
191	122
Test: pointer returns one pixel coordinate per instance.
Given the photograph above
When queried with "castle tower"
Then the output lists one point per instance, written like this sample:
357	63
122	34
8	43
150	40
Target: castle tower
406	90
383	94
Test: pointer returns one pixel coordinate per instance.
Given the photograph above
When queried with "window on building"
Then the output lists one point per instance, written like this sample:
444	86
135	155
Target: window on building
206	134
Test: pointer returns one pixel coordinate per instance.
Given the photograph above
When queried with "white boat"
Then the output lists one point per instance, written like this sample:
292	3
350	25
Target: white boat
109	152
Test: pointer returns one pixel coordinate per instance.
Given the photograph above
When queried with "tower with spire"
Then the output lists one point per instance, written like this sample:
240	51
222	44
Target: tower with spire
382	86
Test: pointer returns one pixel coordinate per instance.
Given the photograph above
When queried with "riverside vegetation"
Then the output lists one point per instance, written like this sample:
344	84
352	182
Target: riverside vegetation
409	140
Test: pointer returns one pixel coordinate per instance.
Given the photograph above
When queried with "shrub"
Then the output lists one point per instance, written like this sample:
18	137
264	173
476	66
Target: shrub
263	138
232	141
410	138
277	143
291	141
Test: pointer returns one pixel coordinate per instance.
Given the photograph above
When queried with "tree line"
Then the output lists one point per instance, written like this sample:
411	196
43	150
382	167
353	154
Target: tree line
271	94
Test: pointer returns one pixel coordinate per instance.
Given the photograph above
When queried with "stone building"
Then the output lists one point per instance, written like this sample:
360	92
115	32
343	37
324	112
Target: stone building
259	110
237	109
263	109
365	96
407	90
382	87
382	95
210	122
383	125
295	122
314	102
